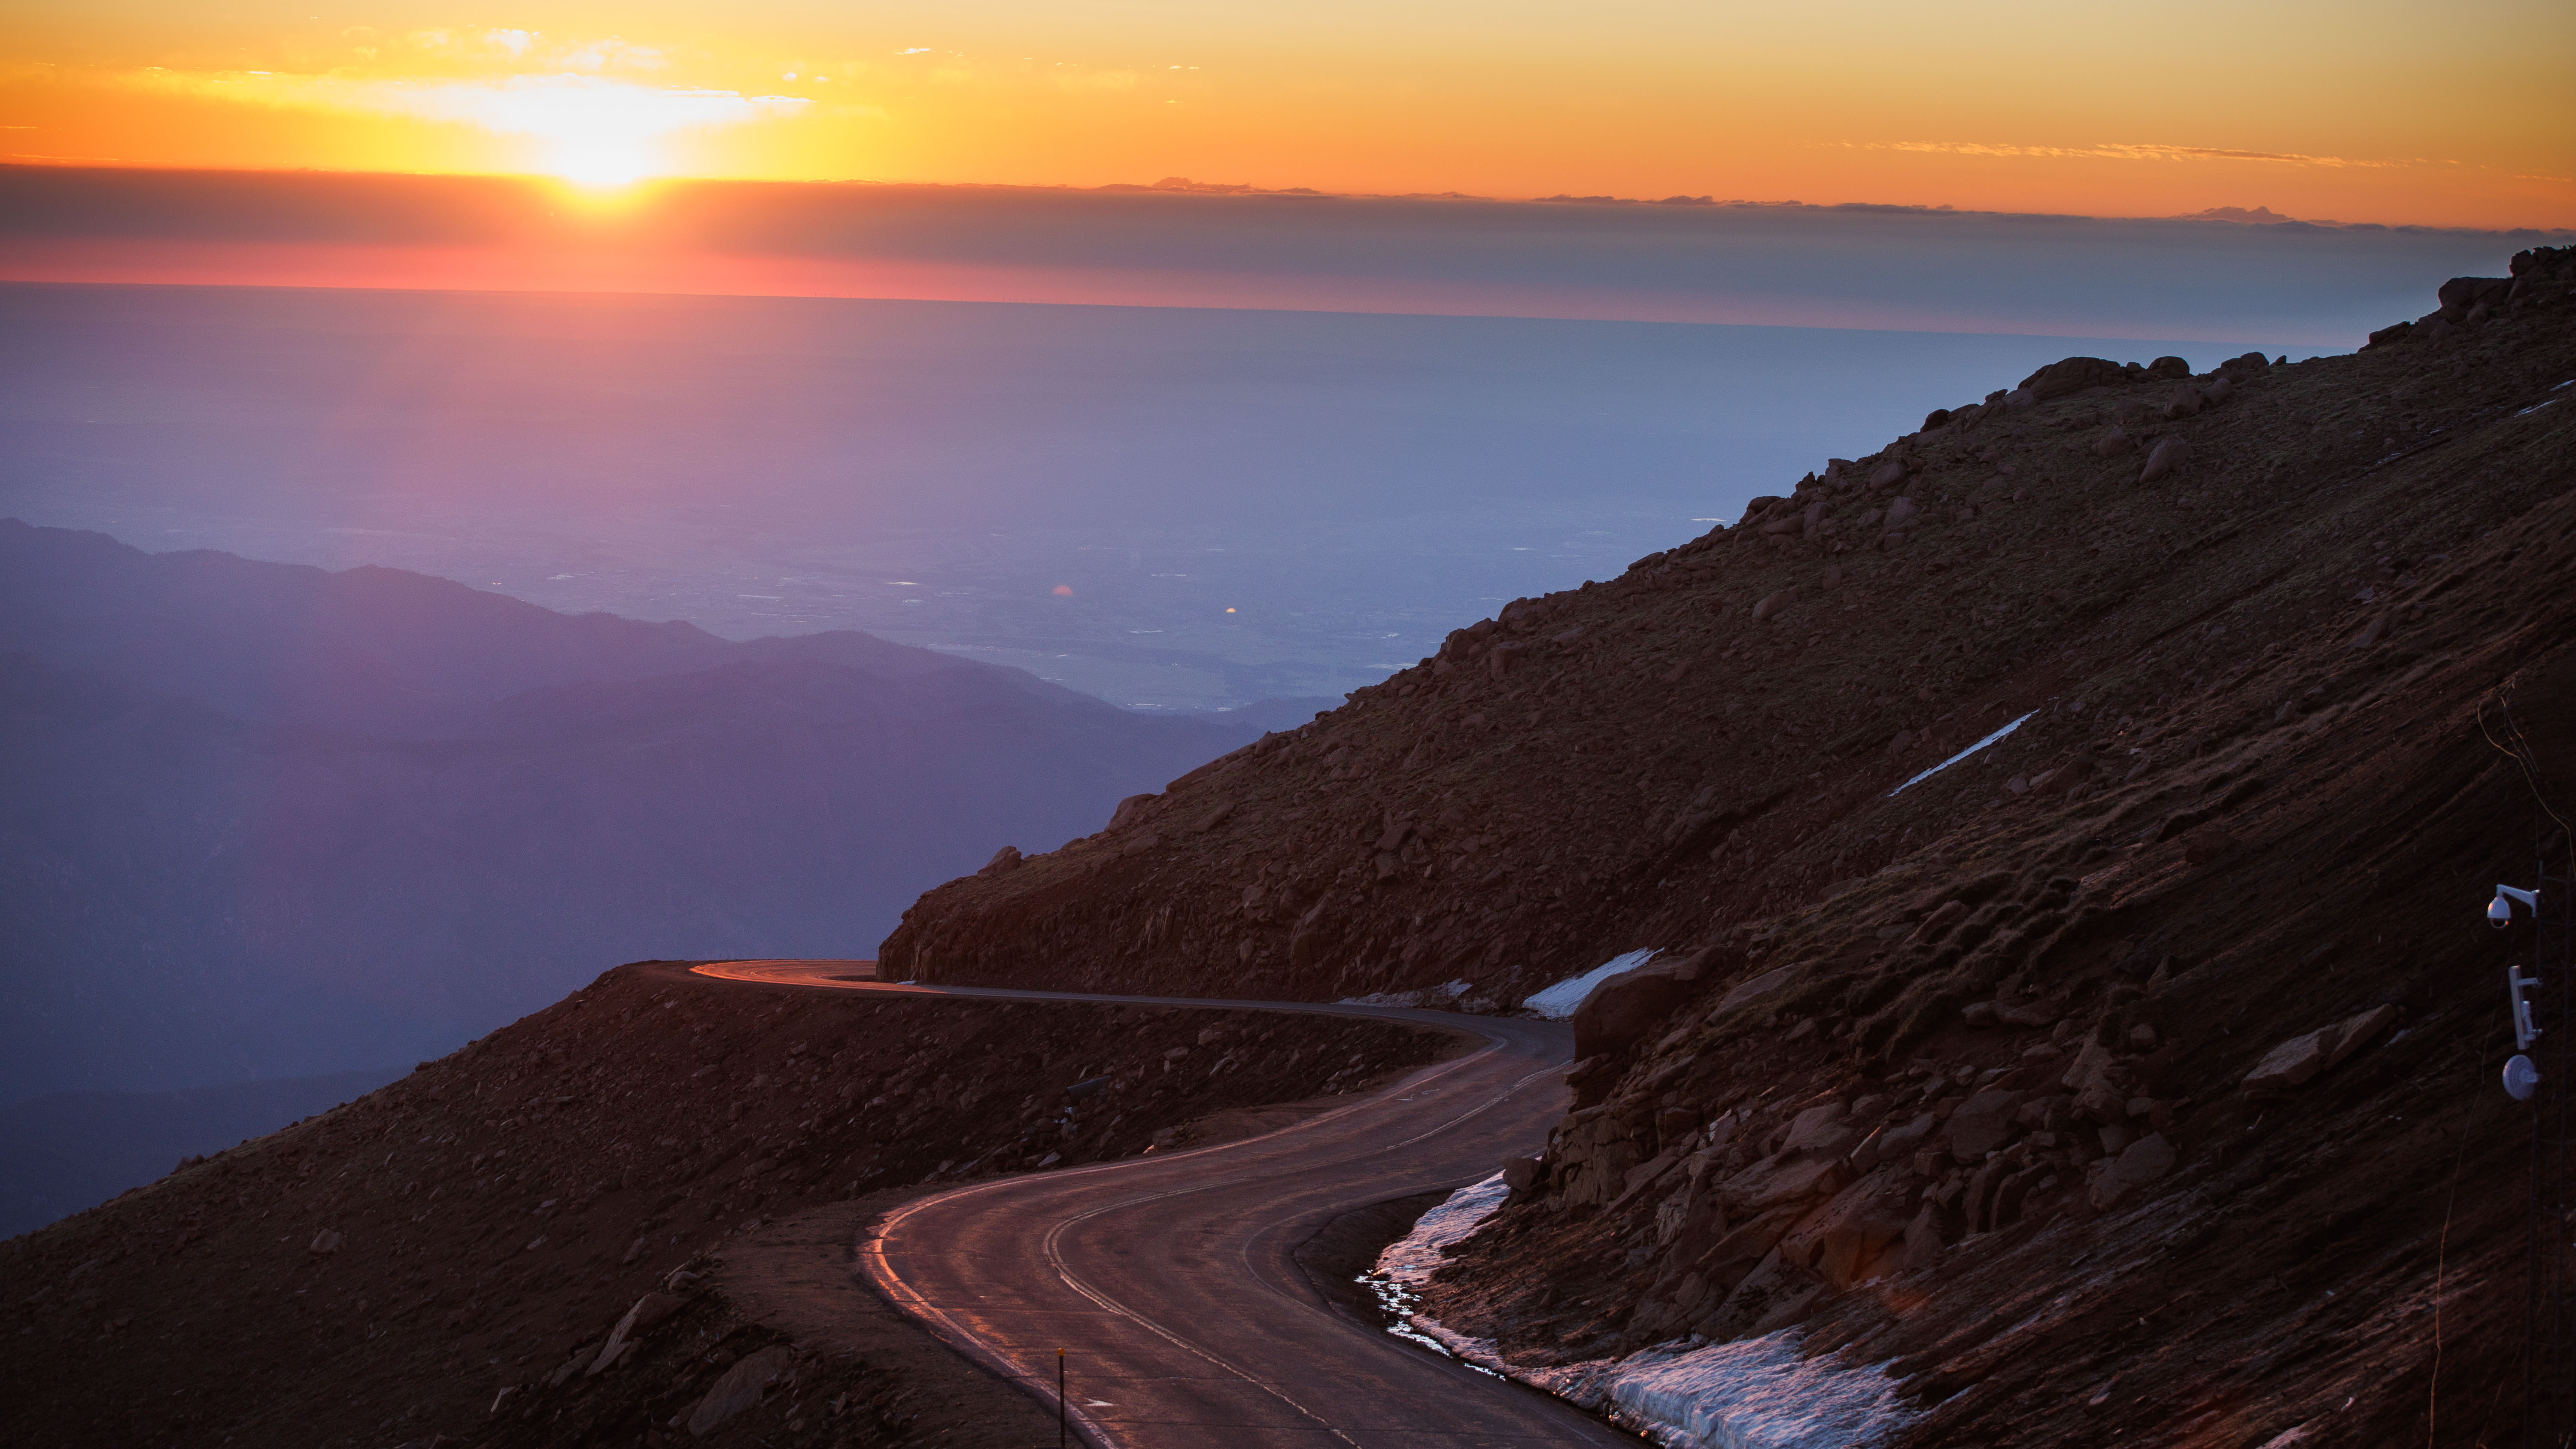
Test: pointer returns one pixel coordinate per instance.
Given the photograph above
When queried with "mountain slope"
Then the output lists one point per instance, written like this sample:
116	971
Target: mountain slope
199	894
1713	736
448	1259
1965	1067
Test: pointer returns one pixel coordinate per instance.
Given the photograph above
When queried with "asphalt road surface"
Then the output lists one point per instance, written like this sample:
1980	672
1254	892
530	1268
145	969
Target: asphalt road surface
1168	1281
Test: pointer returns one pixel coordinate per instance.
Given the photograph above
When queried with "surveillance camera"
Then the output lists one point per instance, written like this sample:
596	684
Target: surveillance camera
2499	913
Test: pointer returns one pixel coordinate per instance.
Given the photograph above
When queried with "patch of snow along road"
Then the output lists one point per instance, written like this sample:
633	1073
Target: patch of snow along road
1755	1393
1558	1002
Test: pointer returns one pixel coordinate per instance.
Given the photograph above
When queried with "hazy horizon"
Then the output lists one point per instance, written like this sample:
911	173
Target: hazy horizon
1352	486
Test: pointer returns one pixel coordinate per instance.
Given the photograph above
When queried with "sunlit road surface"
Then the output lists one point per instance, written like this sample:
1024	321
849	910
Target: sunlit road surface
1168	1280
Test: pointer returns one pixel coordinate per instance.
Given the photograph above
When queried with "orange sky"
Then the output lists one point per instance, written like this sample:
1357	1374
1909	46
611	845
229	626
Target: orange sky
2362	110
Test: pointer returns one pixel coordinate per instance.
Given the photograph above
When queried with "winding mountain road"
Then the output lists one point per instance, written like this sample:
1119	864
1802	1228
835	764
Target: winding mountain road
1169	1281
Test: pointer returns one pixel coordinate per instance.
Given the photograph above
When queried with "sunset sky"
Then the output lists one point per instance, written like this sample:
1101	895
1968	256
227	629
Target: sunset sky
2461	115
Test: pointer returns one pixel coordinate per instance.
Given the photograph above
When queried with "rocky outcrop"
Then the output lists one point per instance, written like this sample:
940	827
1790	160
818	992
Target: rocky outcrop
1628	1006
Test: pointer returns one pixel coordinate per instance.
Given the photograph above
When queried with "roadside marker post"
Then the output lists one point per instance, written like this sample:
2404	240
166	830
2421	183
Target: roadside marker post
1060	1410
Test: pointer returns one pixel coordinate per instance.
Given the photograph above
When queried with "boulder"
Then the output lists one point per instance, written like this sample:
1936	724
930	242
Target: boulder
2170	454
1520	1174
2040	1014
1822	1130
1895	1144
2098	1094
1940	920
1983	1123
1888	474
2185	401
649	1310
2071	375
579	1361
1775	602
1900	513
1643	1178
1775	1294
1778	1181
2056	781
1005	859
1847	1241
2301	1058
326	1242
2217	390
2168	369
2114	444
1632	1005
1310	937
1746	993
739	1389
2461	294
2142	1162
1130	810
1935	1226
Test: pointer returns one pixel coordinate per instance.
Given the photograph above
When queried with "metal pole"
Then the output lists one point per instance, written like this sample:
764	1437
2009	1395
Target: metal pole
1060	1409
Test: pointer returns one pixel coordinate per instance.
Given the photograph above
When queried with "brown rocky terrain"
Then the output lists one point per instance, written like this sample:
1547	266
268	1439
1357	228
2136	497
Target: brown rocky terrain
2132	1078
638	1177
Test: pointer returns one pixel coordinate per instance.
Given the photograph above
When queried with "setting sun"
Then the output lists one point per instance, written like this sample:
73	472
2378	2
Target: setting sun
1639	104
588	129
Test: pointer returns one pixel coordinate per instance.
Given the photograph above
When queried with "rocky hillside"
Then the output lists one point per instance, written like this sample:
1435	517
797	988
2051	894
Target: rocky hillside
2111	551
525	1243
2135	1073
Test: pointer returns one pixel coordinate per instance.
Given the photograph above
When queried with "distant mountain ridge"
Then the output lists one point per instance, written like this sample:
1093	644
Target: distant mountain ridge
377	651
266	820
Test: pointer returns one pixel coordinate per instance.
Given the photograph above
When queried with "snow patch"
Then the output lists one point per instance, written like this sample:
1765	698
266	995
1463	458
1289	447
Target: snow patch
1558	1002
1454	991
1409	1260
1756	1393
1954	759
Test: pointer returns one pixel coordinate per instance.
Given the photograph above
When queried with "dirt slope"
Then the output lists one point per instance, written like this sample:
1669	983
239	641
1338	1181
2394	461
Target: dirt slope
378	1275
2252	797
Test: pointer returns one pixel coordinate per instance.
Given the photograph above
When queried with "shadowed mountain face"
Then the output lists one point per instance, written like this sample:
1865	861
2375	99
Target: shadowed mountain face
259	820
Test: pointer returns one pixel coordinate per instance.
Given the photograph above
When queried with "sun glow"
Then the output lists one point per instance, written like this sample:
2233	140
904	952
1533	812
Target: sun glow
1641	102
589	130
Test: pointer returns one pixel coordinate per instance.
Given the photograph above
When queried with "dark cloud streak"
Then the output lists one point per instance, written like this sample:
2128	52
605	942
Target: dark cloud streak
1841	266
